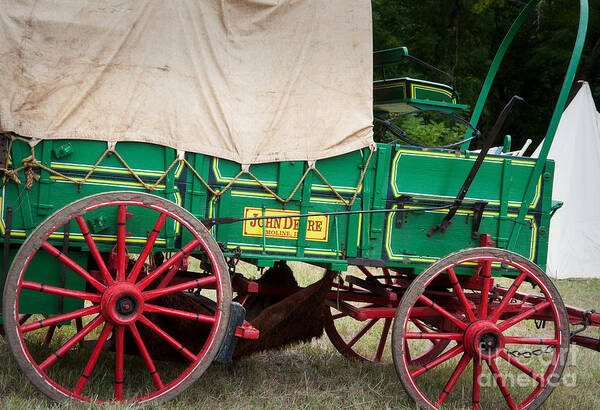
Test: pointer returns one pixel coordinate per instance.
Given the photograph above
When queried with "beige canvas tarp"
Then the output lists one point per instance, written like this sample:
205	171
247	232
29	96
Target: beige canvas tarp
248	80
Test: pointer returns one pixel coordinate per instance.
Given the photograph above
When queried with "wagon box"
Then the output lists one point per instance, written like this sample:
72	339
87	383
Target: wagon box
428	178
134	182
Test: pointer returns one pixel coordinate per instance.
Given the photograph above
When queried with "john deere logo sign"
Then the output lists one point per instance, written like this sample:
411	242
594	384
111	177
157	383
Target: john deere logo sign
317	227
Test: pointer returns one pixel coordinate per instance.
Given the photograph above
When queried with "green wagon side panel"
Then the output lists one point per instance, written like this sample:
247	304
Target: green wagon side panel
441	175
430	178
323	235
329	237
411	244
31	207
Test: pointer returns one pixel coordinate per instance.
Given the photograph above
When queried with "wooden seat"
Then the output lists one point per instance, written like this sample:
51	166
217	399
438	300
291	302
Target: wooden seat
408	94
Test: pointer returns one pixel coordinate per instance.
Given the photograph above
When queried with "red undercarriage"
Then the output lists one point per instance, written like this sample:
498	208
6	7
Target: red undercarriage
382	301
386	301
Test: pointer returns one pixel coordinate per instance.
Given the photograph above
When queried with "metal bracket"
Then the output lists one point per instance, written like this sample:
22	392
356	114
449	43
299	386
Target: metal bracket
401	216
584	322
478	208
485	240
487	144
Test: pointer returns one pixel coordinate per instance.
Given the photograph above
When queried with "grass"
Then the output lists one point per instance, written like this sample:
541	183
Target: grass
315	375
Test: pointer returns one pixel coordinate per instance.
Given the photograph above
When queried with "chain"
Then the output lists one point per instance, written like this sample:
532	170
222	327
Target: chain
526	354
234	260
340	280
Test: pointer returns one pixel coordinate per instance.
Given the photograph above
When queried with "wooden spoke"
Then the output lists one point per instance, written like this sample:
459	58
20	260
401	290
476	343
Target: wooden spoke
524	315
49	335
407	350
179	313
422	328
362	332
531	340
476	383
121	236
73	266
461	294
146	356
507	297
169	276
501	385
89	240
456	350
186	250
434	336
168	338
529	372
139	263
460	367
486	275
60	291
196	283
71	342
119	357
442	311
384	334
79	313
93	358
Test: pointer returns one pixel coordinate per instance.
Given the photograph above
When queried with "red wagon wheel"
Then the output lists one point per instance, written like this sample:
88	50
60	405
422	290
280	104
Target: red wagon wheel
115	304
368	340
494	328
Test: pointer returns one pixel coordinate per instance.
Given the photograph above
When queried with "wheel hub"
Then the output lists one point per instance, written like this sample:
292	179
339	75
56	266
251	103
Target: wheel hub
483	339
126	305
122	303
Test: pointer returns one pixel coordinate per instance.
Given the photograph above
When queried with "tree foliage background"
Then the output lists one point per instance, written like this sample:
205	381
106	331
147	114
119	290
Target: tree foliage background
461	37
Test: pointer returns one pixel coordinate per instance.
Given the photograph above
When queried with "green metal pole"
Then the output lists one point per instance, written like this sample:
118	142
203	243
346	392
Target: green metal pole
558	110
491	76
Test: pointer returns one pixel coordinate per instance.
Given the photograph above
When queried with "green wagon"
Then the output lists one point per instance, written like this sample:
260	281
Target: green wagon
447	248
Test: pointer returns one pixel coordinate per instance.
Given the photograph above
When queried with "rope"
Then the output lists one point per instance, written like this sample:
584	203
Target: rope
208	187
159	180
246	171
31	162
136	176
31	177
95	166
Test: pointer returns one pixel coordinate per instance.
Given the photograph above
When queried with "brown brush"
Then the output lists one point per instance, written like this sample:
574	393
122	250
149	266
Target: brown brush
297	318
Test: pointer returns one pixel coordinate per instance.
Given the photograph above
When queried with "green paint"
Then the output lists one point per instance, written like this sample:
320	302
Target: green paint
507	144
389	56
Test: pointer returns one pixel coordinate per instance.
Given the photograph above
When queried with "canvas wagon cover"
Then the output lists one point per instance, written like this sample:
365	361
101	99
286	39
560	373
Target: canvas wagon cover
248	80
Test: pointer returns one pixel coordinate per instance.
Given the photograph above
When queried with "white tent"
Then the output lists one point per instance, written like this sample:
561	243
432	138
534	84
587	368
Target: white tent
574	248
